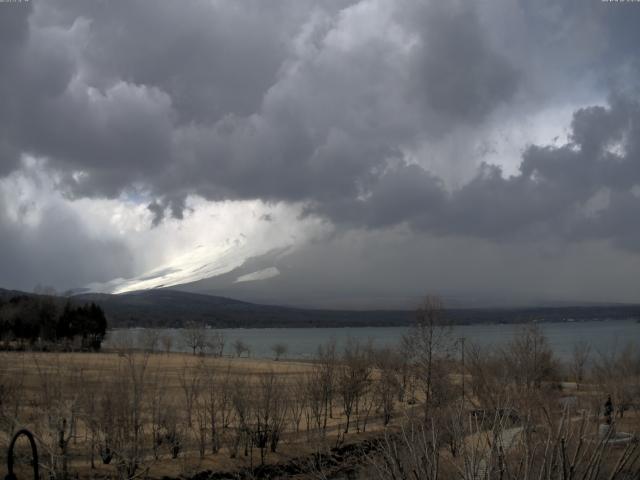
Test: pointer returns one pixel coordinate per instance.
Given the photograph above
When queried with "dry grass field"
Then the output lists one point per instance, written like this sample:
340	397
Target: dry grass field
178	414
514	412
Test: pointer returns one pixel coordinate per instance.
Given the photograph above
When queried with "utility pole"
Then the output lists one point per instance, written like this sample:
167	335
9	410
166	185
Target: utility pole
461	340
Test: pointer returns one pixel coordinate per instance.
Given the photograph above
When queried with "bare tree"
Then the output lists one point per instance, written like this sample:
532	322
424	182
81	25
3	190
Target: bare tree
215	343
60	392
167	343
89	395
489	377
240	348
618	374
429	344
123	417
579	360
327	363
12	383
365	405
316	395
353	375
148	339
173	434
190	383
279	350
530	358
560	448
298	400
194	338
280	405
269	412
218	405
243	406
156	406
389	366
203	421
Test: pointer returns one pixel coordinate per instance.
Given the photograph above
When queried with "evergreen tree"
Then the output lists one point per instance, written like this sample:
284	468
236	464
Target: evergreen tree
28	318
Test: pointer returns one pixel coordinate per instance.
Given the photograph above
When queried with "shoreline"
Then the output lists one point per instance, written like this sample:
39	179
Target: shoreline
399	325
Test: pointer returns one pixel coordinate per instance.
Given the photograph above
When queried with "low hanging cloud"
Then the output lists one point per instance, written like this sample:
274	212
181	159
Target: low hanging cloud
369	114
44	240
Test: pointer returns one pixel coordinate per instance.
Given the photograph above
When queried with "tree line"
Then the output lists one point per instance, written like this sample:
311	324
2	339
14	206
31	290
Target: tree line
41	322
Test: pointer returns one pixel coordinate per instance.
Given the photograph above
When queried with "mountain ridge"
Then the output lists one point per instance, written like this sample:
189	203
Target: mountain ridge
173	308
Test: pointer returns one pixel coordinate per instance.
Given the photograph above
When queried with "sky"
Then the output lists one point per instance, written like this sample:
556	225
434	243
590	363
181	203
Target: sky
335	153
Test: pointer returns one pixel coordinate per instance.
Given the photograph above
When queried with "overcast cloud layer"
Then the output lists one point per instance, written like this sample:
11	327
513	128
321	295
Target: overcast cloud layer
460	127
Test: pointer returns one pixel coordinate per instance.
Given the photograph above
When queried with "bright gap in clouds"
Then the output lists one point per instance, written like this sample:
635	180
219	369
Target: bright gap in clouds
263	274
501	141
212	238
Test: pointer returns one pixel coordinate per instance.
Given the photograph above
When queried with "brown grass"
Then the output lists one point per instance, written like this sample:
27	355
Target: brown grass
75	374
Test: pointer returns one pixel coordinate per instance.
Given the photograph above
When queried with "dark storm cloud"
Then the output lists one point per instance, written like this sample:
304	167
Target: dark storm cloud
320	103
13	33
554	194
211	60
58	251
242	100
458	75
157	212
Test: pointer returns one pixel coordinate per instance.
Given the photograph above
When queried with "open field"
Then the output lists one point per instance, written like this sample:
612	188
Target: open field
174	414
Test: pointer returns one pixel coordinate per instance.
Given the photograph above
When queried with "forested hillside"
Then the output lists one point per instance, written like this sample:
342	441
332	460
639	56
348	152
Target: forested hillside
169	308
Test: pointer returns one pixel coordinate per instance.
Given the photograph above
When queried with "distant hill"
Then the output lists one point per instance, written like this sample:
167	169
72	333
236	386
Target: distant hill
170	308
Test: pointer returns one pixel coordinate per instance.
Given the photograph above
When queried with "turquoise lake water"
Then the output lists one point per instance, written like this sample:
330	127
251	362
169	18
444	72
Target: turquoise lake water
604	336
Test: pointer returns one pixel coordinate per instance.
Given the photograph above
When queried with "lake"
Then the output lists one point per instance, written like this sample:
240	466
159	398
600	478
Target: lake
604	336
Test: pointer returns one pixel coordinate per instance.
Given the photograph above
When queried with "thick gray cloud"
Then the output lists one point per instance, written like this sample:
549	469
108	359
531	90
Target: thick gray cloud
458	75
552	195
301	102
336	105
58	251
